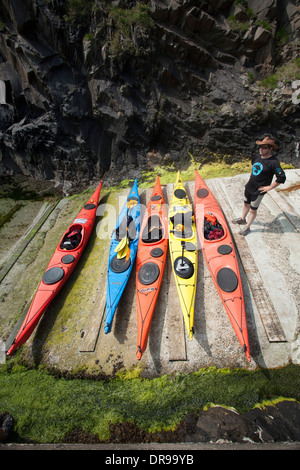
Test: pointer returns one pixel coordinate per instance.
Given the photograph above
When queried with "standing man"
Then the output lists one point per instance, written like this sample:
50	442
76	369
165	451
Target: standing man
264	167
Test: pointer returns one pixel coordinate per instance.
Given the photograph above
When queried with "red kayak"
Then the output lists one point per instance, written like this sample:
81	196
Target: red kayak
62	264
220	256
150	263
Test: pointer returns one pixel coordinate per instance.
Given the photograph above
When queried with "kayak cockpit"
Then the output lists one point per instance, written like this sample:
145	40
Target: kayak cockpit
126	228
212	229
153	231
182	223
72	238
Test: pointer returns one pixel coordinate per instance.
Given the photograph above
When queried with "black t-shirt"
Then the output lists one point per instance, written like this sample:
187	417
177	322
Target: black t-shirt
263	170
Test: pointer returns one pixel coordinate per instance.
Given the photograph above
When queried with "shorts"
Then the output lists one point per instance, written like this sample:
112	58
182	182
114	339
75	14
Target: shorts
253	199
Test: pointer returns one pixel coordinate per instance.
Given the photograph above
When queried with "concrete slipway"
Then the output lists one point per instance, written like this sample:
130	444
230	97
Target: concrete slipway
269	258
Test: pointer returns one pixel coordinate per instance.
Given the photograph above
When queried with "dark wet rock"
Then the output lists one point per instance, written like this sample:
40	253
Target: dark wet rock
82	98
6	426
221	423
278	423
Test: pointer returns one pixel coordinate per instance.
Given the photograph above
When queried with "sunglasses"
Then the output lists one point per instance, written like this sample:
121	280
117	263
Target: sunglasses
265	147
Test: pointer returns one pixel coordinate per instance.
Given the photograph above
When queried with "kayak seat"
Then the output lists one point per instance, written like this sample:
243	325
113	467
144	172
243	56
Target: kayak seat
213	230
126	228
121	230
153	231
72	238
182	224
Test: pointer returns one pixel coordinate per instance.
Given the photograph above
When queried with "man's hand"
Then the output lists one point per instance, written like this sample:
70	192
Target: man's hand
264	189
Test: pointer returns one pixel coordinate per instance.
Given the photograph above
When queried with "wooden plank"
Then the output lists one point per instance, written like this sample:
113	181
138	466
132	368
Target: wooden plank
175	321
144	198
174	317
261	297
33	230
190	190
19	322
286	209
92	328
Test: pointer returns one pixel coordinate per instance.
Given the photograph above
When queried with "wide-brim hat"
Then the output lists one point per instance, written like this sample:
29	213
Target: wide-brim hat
268	141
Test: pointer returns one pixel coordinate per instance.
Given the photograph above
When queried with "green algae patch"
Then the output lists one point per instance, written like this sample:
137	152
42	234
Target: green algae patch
130	374
210	165
207	171
46	408
267	403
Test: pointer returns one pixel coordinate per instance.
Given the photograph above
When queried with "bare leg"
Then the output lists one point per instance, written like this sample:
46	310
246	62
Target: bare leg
251	217
246	210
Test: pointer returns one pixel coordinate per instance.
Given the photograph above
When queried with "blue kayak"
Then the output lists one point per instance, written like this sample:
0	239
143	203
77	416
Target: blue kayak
122	253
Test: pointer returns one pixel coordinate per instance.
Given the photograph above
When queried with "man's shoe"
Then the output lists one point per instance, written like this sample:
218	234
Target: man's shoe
244	231
239	221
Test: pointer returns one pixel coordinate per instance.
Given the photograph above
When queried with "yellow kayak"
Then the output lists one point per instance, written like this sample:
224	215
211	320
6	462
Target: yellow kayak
183	251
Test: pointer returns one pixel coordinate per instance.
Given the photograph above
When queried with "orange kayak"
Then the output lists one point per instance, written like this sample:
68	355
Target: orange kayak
60	267
220	256
150	263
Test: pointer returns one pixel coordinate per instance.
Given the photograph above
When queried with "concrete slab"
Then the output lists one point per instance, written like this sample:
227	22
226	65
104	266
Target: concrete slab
269	263
269	259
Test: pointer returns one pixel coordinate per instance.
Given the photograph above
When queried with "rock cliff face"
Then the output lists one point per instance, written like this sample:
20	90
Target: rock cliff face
88	87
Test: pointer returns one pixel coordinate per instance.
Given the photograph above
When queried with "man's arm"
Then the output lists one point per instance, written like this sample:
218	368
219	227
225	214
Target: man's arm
265	189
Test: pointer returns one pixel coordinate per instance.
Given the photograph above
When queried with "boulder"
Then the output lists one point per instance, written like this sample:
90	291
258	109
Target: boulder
273	423
261	37
277	423
222	423
263	10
